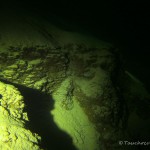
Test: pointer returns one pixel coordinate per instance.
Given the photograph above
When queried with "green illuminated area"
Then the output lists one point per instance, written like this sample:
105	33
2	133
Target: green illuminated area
64	90
13	134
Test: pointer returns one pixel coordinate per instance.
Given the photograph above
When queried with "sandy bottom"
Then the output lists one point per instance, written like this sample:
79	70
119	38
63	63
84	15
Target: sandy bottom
74	121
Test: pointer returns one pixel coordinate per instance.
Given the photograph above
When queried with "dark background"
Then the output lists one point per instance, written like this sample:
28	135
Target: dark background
123	23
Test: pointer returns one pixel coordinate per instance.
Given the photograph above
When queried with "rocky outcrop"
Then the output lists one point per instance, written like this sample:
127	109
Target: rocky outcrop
13	133
36	67
89	71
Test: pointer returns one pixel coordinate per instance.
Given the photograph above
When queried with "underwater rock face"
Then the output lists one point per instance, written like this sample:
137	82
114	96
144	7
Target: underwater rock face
91	90
13	134
87	69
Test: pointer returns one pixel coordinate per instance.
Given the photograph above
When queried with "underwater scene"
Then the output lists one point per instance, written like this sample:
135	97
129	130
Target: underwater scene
66	90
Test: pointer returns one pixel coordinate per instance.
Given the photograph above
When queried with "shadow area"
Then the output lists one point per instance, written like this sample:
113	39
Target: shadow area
38	107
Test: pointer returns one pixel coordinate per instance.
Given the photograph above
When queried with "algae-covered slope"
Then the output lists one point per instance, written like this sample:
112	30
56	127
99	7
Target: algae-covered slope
13	134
